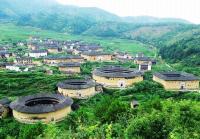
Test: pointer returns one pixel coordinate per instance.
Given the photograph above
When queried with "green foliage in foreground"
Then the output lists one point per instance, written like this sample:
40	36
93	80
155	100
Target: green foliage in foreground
160	114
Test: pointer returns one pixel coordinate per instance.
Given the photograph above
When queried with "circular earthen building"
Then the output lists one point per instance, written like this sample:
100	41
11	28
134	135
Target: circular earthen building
41	108
77	88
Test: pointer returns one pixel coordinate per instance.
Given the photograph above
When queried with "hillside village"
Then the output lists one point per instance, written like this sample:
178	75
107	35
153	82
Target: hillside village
68	57
98	69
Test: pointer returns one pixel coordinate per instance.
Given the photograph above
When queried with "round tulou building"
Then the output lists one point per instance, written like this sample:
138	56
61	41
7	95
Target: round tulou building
41	108
77	88
116	76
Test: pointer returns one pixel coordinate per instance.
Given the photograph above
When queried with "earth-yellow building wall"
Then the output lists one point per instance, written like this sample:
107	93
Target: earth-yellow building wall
141	62
114	82
97	58
159	80
44	117
80	93
70	69
52	50
176	85
56	61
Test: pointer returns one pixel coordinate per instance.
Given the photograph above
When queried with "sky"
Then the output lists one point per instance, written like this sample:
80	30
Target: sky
185	9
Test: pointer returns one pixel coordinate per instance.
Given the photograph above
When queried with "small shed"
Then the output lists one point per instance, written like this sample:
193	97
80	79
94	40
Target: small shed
4	107
134	104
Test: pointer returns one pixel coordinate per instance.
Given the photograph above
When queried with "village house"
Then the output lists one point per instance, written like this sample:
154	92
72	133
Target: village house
23	60
145	67
142	60
87	48
116	76
139	55
35	38
177	81
94	47
63	59
3	48
70	45
38	53
53	49
70	51
77	88
70	68
21	43
5	54
33	46
17	67
4	107
80	50
49	72
3	65
122	55
96	56
43	108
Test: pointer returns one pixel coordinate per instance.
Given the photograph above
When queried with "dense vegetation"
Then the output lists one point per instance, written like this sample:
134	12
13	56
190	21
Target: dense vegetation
186	51
160	114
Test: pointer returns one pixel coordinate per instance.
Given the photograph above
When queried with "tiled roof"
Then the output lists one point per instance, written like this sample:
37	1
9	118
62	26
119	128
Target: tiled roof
21	104
175	76
71	64
116	72
76	84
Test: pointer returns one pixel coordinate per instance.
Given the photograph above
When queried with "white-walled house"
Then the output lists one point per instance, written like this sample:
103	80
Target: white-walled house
38	53
17	67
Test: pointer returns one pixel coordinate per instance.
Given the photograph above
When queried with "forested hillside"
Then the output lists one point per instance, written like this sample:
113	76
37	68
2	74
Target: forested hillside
48	14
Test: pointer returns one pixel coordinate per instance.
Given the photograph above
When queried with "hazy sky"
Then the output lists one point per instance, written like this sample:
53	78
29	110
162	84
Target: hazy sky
186	9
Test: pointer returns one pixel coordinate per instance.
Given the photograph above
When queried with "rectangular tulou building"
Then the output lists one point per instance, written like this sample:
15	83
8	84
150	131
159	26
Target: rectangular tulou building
63	59
177	81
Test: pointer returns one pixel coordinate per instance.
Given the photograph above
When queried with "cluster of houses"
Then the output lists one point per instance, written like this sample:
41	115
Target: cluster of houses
67	55
55	107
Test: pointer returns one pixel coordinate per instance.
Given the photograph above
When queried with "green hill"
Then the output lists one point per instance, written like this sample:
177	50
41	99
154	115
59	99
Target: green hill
48	14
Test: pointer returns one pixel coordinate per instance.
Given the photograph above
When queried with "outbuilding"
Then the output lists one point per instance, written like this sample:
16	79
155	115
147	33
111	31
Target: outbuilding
134	104
4	107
